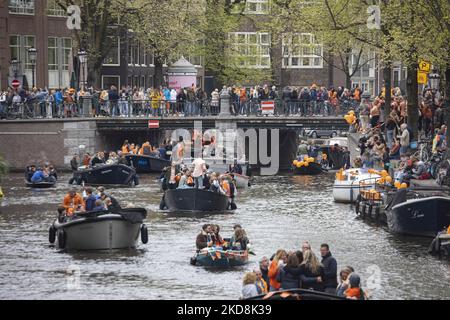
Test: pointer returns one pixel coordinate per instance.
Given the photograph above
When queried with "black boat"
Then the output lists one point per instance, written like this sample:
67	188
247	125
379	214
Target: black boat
147	164
313	169
108	175
424	216
296	295
194	200
40	185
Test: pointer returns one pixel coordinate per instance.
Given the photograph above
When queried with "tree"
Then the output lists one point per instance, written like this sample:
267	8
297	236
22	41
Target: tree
100	20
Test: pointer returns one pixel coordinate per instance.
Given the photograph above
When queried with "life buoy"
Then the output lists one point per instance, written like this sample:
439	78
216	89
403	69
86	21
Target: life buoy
61	239
144	234
52	234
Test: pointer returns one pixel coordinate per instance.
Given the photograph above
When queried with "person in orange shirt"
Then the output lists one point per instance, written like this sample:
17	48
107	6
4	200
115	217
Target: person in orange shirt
73	202
125	147
355	292
448	230
277	262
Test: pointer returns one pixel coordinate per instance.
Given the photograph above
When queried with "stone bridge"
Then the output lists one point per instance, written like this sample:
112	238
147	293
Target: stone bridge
23	142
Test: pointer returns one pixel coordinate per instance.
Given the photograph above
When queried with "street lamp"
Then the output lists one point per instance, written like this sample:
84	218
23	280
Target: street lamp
82	56
32	55
15	66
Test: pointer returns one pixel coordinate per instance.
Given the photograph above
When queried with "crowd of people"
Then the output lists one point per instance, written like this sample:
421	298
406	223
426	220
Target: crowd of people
88	200
46	173
302	269
189	101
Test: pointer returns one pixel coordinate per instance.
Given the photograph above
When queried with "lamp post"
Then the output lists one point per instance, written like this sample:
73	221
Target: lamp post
82	56
32	55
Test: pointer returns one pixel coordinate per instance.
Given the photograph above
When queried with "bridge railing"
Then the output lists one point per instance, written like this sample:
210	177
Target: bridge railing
163	108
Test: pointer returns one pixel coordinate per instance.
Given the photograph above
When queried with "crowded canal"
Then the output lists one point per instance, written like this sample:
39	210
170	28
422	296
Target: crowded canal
276	212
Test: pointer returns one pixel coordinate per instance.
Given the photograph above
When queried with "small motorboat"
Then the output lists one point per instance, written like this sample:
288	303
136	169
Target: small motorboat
312	169
296	294
102	230
218	258
191	199
147	164
349	183
40	185
422	215
108	175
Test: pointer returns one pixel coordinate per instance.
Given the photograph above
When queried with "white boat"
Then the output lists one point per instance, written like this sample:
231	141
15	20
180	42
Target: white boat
348	187
100	230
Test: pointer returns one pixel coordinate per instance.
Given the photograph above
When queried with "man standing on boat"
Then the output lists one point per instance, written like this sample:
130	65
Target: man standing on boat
330	268
199	170
178	152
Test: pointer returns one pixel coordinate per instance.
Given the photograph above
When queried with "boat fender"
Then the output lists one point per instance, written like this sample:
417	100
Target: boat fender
52	234
363	210
162	204
369	211
193	261
358	204
377	214
61	239
144	234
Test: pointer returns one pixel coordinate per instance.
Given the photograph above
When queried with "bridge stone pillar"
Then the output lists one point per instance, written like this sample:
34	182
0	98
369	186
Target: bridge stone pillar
79	134
225	102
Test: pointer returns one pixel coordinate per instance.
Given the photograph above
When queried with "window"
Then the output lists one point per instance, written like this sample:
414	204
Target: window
251	49
52	54
113	57
108	81
66	53
19	46
302	51
366	64
54	10
257	7
21	6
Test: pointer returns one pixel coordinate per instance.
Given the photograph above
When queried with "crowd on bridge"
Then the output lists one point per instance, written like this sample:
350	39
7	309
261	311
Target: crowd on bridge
313	100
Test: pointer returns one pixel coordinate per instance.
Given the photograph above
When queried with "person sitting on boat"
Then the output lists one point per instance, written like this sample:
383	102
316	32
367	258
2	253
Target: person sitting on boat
99	205
113	159
204	239
125	147
111	203
162	151
39	176
215	184
98	159
249	288
261	284
236	168
146	149
206	179
30	172
355	292
182	183
264	268
343	283
121	158
216	237
52	172
73	202
239	240
86	160
90	200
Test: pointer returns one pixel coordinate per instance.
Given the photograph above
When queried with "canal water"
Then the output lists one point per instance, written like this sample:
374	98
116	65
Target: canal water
277	212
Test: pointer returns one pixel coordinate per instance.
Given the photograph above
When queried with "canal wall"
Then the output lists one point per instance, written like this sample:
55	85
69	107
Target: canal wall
29	142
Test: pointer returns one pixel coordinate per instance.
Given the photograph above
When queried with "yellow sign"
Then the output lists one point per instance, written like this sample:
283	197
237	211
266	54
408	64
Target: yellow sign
424	66
422	77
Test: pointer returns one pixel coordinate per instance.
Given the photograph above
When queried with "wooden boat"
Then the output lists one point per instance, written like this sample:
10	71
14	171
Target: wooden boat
40	185
102	230
108	175
147	164
312	169
191	199
218	258
297	294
